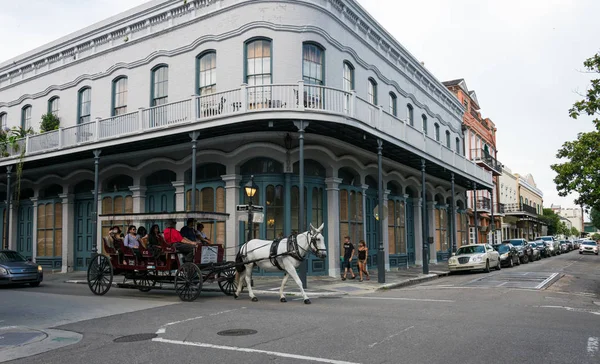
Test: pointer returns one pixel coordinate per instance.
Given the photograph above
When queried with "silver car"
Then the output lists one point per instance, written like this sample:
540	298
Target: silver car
15	269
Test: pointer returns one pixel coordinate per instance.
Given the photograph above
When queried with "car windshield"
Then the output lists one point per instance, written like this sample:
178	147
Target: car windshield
589	243
502	248
470	250
534	245
9	257
546	238
516	242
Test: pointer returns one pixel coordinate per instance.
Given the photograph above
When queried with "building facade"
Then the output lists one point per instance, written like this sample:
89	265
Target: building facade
484	209
523	205
234	85
573	214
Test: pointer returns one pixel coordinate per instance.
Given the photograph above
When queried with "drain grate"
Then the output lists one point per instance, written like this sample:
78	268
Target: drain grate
134	338
237	332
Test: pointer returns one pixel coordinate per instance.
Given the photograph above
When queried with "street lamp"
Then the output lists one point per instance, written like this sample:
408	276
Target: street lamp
250	189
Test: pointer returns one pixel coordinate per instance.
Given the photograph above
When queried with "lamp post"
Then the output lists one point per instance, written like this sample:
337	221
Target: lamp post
250	189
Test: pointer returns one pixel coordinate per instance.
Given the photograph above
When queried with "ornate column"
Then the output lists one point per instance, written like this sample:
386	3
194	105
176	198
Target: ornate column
386	238
333	225
418	230
432	231
34	229
232	225
68	229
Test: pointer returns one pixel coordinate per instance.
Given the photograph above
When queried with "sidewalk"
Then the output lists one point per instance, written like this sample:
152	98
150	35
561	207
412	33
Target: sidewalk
316	285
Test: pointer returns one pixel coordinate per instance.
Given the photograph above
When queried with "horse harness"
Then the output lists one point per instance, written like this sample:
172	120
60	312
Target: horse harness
293	250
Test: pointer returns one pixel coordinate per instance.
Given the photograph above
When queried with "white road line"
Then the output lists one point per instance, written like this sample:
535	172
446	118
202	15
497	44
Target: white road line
572	309
398	299
539	286
163	328
248	350
390	337
501	284
592	346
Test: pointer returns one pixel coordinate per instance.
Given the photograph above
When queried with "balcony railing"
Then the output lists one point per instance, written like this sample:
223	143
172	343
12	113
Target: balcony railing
485	157
499	208
519	208
483	204
243	101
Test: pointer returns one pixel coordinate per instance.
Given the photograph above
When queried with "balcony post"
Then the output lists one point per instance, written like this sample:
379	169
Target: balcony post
97	127
301	95
60	137
244	97
475	213
140	119
353	103
453	213
493	221
380	118
193	113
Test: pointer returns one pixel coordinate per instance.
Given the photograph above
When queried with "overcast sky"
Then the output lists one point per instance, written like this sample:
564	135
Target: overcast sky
522	57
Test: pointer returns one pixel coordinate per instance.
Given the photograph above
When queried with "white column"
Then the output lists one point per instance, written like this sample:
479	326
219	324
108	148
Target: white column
139	201
418	231
68	231
432	232
232	225
333	225
34	229
179	199
386	237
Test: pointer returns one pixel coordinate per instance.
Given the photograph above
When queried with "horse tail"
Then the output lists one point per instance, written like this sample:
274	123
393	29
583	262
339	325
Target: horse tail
239	262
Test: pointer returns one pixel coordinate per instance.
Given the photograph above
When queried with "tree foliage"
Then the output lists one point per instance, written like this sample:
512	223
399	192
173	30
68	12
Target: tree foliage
49	122
574	232
551	219
595	218
580	159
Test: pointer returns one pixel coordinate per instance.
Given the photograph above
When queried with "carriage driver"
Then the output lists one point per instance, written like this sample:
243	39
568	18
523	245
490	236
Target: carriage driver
181	244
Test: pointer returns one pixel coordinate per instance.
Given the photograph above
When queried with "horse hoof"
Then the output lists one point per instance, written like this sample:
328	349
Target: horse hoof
235	296
254	299
282	299
307	301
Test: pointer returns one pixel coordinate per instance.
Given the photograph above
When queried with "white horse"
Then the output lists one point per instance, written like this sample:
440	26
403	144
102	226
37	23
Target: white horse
258	252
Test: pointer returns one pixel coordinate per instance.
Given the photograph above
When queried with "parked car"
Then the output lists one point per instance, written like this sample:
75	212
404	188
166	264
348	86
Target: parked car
537	254
564	248
576	244
509	256
542	246
588	246
552	244
524	249
474	257
15	269
570	245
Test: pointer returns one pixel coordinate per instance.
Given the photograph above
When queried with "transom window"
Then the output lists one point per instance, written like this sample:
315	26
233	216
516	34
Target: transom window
207	73
120	96
348	77
85	105
3	120
53	106
410	115
393	107
425	126
312	64
437	132
26	117
160	83
258	62
372	92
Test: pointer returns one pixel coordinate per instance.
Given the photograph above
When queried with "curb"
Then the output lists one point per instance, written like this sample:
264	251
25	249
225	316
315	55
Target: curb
411	281
53	339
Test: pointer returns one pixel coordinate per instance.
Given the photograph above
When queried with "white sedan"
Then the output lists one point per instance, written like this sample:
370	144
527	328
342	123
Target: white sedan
588	246
474	257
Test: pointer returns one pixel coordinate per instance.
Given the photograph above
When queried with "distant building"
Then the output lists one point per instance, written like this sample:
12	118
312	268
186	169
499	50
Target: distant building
523	206
573	214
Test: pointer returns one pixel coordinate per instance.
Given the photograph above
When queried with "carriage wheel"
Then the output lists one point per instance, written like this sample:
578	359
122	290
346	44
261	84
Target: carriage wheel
226	280
188	282
147	282
100	274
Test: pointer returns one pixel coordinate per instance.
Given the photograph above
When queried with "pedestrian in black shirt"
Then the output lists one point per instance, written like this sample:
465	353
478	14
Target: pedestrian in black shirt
348	255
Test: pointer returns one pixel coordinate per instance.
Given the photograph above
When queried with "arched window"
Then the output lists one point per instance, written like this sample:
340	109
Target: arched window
84	108
437	132
393	104
258	62
372	91
313	70
3	120
410	115
26	117
207	73
425	126
119	96
160	85
53	106
348	76
448	143
457	145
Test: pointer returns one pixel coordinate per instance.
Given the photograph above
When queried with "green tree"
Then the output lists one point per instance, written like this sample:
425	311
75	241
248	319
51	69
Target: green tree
577	171
595	217
49	122
552	220
574	232
596	236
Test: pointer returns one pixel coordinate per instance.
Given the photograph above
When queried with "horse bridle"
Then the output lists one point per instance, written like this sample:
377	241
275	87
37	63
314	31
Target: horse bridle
312	240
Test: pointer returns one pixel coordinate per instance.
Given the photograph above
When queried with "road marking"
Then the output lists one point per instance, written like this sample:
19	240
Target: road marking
572	309
501	284
592	347
539	286
390	337
163	328
248	350
399	299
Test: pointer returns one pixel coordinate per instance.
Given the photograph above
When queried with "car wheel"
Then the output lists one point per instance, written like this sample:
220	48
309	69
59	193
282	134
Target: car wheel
580	253
487	266
499	266
34	284
518	261
596	253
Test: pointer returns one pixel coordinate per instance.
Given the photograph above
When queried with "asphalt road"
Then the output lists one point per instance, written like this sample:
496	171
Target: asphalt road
464	318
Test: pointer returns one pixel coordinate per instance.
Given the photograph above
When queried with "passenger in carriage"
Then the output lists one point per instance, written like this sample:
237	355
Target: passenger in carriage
131	240
142	235
201	236
181	244
188	230
155	241
114	234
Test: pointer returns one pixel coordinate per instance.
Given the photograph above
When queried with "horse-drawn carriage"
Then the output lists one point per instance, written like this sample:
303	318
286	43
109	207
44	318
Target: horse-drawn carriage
162	266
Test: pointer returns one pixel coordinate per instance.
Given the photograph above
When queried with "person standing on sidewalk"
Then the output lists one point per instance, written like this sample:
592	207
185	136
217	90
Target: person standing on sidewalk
348	255
363	252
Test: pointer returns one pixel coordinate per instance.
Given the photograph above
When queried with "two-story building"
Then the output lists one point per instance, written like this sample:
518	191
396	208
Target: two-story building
484	210
232	89
523	205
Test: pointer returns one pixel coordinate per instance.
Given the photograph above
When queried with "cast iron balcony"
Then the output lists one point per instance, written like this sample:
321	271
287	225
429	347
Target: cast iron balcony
499	208
483	158
519	208
484	204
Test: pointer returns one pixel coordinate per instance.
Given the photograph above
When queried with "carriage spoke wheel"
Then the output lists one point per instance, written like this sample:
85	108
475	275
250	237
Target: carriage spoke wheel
100	275
226	280
146	282
188	282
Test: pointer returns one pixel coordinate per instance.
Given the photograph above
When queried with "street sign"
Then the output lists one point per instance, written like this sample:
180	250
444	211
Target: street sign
257	217
245	208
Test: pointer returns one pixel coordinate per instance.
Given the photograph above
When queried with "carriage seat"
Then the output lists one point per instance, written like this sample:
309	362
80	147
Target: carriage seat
125	250
107	248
